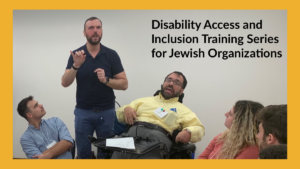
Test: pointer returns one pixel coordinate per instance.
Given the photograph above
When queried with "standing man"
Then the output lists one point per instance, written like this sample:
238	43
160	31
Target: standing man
44	138
98	70
273	126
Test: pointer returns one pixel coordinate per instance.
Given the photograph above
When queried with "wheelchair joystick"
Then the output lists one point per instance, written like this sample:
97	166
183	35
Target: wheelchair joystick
92	139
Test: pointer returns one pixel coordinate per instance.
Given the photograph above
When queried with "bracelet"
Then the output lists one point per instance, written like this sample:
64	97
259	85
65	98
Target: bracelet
74	67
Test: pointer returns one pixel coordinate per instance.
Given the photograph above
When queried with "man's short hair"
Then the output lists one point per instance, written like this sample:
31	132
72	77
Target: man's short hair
23	108
180	74
90	19
274	152
274	121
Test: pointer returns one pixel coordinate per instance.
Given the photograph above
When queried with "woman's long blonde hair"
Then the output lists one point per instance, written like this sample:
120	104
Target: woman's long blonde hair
243	130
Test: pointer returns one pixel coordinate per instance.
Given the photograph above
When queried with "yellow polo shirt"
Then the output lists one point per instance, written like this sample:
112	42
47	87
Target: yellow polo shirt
176	115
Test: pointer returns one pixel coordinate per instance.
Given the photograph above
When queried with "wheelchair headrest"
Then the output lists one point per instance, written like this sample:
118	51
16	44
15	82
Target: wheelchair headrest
180	97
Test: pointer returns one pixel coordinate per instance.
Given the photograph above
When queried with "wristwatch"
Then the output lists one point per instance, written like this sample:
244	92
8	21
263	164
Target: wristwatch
188	130
107	80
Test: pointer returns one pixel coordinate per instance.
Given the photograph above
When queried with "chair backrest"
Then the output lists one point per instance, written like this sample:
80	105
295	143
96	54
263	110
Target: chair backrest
73	149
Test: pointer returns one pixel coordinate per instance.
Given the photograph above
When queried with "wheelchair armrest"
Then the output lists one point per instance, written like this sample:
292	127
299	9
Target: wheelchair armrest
142	146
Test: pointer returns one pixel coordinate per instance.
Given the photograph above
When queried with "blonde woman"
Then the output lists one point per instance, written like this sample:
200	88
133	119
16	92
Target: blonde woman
238	141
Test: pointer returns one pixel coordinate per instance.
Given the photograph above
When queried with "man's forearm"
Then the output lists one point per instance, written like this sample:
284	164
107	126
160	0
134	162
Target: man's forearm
68	77
118	84
58	149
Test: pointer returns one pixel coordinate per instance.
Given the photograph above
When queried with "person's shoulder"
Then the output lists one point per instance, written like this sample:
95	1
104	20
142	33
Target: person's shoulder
217	136
54	122
25	135
249	152
183	107
252	149
108	50
216	140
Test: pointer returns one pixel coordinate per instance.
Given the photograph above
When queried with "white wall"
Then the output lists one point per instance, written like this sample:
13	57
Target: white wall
42	41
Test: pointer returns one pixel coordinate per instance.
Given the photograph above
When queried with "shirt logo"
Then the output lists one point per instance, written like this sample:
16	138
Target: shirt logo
173	109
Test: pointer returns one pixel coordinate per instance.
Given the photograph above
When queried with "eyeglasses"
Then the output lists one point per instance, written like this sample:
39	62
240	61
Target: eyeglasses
175	82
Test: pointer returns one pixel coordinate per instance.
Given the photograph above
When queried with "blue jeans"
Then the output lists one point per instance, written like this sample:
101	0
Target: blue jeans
88	121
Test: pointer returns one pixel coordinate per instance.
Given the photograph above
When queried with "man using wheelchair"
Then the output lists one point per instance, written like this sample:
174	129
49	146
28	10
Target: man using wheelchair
154	120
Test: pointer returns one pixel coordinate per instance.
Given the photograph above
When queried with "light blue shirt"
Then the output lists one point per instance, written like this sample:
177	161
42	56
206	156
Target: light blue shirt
35	141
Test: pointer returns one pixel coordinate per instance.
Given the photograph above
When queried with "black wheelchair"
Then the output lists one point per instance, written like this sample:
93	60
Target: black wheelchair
142	146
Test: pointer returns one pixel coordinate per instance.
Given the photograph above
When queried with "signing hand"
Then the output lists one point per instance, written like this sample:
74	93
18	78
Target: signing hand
129	115
78	57
101	75
184	137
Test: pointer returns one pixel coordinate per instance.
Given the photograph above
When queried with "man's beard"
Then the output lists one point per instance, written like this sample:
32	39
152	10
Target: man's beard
90	39
168	96
263	144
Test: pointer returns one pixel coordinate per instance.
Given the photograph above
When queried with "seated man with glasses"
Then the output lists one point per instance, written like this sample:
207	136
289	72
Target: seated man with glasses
155	118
